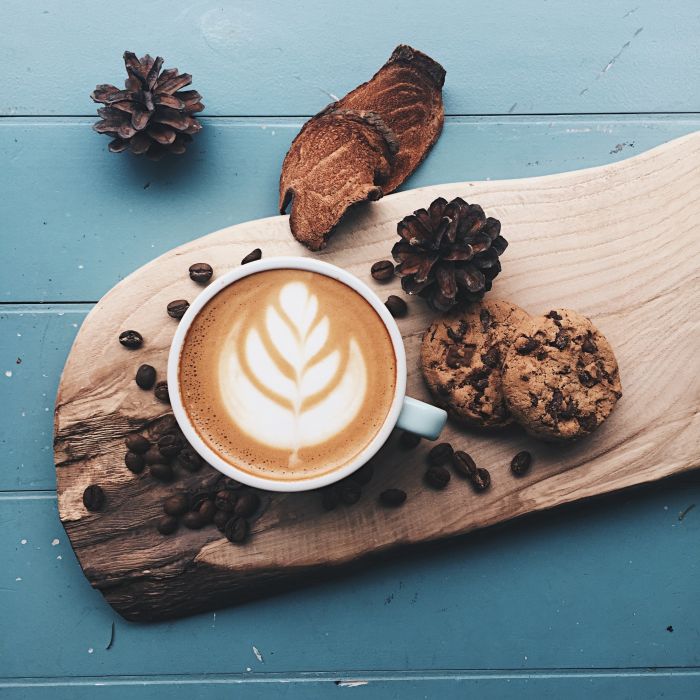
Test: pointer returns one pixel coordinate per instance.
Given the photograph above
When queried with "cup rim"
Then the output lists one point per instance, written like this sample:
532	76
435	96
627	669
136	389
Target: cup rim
264	265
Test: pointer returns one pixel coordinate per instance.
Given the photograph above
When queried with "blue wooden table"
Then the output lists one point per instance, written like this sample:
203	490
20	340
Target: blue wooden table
601	598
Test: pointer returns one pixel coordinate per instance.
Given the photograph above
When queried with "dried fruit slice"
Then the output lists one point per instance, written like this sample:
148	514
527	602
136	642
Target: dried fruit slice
339	158
406	93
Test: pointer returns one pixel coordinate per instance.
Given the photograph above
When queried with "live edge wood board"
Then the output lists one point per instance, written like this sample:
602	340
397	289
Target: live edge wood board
620	243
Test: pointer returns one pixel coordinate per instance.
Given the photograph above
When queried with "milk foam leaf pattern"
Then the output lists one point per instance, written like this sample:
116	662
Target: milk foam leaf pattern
289	382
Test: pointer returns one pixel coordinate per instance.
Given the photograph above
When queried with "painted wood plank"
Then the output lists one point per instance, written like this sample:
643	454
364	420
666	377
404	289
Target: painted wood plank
671	685
34	343
591	586
76	218
279	58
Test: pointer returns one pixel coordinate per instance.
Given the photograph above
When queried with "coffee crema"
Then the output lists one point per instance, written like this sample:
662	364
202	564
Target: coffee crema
287	374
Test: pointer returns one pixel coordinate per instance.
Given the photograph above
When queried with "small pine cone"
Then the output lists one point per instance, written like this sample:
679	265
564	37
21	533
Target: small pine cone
449	253
153	115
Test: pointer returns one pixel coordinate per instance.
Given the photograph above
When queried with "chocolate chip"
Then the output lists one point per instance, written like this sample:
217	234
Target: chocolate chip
588	422
533	399
201	272
555	316
520	464
392	498
382	270
561	341
453	358
437	477
453	335
485	318
145	376
131	339
440	454
176	309
527	346
587	379
252	256
492	357
588	345
397	306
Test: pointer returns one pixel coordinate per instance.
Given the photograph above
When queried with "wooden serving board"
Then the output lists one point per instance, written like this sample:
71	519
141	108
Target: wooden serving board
620	243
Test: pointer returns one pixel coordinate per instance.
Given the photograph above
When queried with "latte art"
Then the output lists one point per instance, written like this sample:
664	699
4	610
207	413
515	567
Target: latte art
283	380
287	374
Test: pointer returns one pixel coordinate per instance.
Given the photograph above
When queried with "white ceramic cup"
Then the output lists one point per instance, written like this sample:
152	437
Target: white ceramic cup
407	413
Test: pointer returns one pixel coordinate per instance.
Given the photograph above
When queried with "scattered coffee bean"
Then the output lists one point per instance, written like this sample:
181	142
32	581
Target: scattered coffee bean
383	270
350	492
134	462
176	505
146	376
193	520
189	459
152	456
131	339
330	499
408	440
481	480
167	525
199	497
201	272
440	454
161	472
252	256
437	477
246	504
393	498
236	530
176	309
363	475
232	484
520	464
220	519
166	424
161	392
397	306
137	443
225	500
207	511
169	445
463	464
93	497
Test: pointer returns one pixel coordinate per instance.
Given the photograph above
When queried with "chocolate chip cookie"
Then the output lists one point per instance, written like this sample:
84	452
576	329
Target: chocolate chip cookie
560	376
461	358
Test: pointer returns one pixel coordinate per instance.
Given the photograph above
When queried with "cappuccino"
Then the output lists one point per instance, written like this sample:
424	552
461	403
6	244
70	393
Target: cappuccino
287	374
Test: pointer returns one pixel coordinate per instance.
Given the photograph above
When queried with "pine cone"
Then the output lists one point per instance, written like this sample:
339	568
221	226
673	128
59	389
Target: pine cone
449	253
150	116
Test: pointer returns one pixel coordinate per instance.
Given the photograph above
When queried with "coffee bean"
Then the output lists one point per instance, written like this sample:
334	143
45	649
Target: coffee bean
236	530
463	464
526	346
481	480
146	376
207	511
437	477
383	270
161	392
408	440
440	454
189	459
166	424
131	339
137	443
201	272
93	497
248	502
252	256
134	462
232	484
169	445
330	498
520	464
350	492
393	498
176	309
397	306
193	520
199	497
364	475
167	525
220	519
161	472
152	456
176	505
225	500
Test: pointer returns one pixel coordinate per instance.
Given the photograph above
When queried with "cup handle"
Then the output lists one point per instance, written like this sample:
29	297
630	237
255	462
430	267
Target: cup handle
421	418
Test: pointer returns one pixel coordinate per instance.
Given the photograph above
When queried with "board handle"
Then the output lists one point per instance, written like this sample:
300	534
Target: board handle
421	418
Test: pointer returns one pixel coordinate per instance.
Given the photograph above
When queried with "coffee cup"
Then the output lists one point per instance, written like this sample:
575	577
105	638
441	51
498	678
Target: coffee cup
289	374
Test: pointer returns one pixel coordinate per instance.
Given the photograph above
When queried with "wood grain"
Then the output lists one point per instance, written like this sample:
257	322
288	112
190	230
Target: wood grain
618	243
